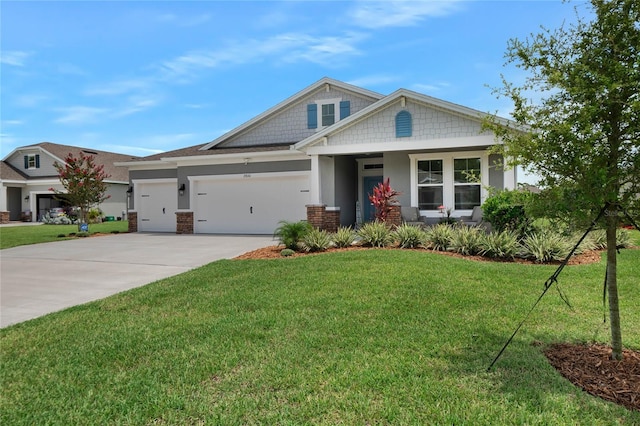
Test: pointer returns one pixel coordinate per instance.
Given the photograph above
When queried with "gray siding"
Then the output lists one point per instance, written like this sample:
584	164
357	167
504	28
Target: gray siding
397	167
428	123
46	163
290	124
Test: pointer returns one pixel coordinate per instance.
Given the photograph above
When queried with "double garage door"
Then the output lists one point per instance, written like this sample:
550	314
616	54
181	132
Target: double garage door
248	204
230	204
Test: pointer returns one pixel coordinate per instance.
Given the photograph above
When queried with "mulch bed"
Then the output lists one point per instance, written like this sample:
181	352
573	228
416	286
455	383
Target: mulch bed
588	367
591	368
273	252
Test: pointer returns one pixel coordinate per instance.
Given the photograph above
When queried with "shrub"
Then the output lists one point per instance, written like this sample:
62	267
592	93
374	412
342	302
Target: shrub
287	252
623	238
438	237
344	237
544	247
466	240
94	215
316	240
375	234
500	245
505	210
409	236
291	233
383	198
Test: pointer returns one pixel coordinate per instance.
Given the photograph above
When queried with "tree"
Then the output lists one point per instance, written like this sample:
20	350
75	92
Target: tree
83	181
582	136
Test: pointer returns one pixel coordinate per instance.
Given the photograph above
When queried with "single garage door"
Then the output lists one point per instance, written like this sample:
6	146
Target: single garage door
249	204
157	205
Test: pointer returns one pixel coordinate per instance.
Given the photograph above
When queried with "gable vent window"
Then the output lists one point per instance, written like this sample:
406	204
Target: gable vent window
328	114
32	161
403	124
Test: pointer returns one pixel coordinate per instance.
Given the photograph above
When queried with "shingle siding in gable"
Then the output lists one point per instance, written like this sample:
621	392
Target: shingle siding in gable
427	123
290	125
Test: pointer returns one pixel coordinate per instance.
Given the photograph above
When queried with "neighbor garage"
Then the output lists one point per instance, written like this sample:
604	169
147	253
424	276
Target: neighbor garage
248	203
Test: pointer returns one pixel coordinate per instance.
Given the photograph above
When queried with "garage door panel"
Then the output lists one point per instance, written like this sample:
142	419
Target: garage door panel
157	207
252	205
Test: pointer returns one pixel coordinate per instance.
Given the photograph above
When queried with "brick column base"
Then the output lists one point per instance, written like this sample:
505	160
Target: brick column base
394	219
133	221
331	219
322	218
184	222
5	217
315	215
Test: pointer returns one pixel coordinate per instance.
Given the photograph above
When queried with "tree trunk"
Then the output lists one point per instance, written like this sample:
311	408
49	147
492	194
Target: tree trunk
612	286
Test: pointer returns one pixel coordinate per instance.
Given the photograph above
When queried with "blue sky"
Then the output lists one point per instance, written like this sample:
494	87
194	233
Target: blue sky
146	77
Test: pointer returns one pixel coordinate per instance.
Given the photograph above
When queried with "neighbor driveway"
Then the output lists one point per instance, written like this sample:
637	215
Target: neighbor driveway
42	278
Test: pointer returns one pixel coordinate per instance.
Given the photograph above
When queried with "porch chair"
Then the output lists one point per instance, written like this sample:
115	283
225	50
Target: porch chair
411	216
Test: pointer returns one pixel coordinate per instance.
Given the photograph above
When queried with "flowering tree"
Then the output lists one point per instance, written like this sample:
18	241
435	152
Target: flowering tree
382	199
83	181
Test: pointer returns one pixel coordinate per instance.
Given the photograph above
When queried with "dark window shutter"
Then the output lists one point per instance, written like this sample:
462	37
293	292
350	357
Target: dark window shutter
312	116
26	161
37	161
403	124
345	109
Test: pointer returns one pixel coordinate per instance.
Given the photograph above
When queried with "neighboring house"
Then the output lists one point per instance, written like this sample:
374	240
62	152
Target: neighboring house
316	156
27	174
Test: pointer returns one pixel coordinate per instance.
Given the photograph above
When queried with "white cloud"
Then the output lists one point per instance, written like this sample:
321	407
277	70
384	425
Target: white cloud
398	13
136	104
430	88
12	122
14	58
288	47
374	80
30	100
79	114
118	87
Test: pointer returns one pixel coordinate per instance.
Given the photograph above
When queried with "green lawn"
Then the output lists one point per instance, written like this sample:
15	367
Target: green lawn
13	236
361	337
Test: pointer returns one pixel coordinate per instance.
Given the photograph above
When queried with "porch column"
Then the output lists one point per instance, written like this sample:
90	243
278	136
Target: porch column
4	211
510	178
314	191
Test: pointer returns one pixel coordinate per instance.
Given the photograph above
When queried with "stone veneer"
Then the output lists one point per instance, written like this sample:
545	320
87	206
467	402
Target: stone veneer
395	216
4	217
133	221
184	224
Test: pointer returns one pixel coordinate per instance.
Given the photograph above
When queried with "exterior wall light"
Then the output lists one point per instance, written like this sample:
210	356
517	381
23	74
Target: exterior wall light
181	189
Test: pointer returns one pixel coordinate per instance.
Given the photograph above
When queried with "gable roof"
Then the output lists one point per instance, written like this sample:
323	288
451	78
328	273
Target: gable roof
397	96
323	82
59	152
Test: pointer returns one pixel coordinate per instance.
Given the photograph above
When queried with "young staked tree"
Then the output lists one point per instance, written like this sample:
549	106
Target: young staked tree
83	181
582	132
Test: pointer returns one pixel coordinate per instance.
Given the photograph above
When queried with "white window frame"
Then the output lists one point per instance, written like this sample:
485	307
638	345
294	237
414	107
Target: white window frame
456	184
336	111
429	185
31	161
448	195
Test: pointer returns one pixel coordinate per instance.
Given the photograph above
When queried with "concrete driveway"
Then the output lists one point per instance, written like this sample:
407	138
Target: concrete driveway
38	279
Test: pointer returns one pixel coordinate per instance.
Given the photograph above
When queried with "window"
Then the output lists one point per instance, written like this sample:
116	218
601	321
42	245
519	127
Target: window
430	184
466	182
328	114
403	124
32	161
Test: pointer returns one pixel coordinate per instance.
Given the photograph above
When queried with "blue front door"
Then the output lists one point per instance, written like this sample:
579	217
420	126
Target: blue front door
368	183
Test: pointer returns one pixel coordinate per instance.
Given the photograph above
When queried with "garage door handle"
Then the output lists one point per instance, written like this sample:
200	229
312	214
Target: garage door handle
251	210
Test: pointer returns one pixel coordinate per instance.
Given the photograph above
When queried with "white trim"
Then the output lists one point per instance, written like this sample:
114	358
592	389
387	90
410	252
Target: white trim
448	196
370	172
336	111
238	158
314	181
395	145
